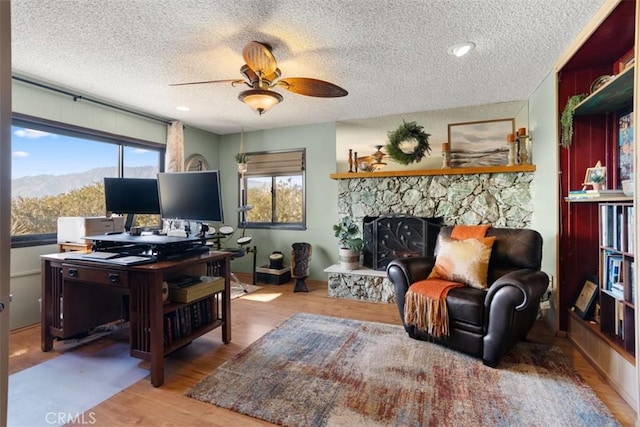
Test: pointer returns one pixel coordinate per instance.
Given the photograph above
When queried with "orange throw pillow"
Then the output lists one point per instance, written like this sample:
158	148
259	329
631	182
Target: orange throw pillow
465	261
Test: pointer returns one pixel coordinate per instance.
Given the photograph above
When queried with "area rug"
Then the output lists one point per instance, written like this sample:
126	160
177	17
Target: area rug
323	371
56	391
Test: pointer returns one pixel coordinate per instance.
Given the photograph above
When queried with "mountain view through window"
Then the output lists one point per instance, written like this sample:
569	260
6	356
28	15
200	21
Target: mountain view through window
57	175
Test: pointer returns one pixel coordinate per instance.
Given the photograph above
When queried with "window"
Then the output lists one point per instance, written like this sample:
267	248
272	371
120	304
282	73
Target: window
274	186
58	170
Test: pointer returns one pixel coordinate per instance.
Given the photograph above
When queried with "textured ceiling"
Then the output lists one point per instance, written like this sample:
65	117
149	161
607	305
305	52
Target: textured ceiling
391	55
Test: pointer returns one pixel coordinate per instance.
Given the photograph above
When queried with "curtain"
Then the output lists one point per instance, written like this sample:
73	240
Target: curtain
174	159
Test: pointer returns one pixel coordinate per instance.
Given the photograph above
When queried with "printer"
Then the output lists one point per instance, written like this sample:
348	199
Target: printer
72	229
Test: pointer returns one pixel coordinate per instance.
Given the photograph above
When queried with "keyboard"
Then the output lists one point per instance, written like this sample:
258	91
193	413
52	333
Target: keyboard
100	255
130	260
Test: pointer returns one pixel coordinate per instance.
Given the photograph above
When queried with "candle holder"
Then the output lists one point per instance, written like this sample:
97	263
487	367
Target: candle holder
512	159
446	159
350	160
446	155
524	149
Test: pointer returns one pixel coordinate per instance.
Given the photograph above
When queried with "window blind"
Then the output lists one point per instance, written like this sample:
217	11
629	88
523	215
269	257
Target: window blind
276	163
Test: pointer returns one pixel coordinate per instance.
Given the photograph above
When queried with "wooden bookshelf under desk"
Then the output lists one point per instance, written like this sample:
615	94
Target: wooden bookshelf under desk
79	295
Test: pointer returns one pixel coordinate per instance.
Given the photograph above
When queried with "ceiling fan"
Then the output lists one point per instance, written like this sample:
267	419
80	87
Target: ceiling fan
261	74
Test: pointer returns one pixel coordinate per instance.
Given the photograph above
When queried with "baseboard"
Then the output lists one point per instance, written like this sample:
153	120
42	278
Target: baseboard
613	382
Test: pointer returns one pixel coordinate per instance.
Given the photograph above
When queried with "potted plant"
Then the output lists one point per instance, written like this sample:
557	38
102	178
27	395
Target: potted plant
242	159
597	182
351	244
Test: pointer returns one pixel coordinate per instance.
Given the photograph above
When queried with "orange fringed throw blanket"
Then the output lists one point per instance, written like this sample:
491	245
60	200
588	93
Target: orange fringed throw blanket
425	305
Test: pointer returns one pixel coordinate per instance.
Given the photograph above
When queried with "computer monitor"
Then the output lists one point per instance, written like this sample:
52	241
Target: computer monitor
191	196
131	196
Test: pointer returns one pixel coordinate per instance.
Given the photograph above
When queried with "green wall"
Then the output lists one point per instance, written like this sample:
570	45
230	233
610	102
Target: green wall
543	125
321	193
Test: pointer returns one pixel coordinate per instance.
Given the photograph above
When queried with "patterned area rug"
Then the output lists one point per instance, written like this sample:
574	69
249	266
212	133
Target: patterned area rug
323	371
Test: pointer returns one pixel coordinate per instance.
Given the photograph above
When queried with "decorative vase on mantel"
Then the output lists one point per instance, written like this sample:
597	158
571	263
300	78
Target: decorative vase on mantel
349	259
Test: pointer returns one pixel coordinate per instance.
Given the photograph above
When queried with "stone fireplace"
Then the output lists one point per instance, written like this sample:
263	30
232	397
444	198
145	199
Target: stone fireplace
458	196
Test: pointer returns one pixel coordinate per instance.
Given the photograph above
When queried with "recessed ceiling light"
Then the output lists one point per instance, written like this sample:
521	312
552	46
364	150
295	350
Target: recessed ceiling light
183	108
461	49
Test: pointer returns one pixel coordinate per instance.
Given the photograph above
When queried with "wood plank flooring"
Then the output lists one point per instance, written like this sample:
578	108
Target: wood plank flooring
252	316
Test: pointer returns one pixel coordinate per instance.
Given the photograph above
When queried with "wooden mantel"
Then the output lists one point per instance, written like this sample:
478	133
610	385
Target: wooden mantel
423	172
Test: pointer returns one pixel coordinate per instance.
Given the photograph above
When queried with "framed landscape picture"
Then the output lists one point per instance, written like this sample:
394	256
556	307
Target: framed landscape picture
481	143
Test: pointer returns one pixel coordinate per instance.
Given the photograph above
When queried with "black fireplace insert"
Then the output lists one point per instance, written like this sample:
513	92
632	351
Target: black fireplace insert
394	236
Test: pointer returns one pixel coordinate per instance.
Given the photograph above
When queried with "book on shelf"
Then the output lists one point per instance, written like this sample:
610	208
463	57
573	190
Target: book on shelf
630	229
593	194
612	263
619	319
617	290
616	227
632	281
606	225
185	320
582	194
615	265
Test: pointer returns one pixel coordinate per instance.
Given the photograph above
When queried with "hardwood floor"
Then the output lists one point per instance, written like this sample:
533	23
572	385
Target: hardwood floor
252	316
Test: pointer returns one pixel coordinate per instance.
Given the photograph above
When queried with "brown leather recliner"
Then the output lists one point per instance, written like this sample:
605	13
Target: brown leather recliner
485	323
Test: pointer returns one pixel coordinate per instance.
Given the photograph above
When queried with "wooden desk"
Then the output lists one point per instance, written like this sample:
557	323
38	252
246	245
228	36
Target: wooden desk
78	295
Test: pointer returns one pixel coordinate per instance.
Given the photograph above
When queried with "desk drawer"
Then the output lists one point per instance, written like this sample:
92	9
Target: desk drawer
95	275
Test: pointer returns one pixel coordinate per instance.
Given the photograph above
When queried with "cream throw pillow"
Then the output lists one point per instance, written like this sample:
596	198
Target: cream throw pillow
464	261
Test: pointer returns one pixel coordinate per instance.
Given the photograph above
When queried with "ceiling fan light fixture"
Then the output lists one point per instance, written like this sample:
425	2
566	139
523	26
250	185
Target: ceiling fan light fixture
461	49
260	100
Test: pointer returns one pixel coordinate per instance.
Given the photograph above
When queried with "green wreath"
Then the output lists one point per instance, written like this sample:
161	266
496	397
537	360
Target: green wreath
406	132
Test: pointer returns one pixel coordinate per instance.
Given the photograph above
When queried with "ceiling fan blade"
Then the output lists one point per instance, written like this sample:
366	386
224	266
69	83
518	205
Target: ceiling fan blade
259	58
232	81
312	87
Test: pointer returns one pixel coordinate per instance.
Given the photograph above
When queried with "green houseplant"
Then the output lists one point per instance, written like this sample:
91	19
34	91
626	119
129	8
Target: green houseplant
242	158
351	244
566	120
597	181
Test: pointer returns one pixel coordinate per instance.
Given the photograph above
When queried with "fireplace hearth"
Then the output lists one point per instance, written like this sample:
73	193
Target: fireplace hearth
395	236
